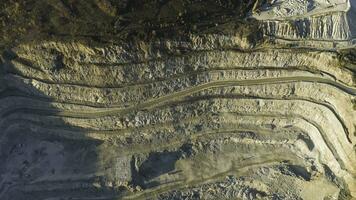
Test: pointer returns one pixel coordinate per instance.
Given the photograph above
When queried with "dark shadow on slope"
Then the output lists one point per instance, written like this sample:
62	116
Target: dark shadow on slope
351	16
157	164
41	155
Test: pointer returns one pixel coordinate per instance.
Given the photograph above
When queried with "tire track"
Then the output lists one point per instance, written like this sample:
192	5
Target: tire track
315	124
194	89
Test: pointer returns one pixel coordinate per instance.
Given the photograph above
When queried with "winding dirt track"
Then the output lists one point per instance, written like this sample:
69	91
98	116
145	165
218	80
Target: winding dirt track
176	132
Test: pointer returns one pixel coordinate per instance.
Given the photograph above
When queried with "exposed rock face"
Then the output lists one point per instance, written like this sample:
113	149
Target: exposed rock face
178	100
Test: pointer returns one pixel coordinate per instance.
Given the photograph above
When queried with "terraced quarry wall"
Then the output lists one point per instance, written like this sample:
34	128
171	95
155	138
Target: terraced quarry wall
177	100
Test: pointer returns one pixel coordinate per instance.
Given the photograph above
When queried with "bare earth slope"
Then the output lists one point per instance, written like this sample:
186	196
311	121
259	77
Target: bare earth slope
178	99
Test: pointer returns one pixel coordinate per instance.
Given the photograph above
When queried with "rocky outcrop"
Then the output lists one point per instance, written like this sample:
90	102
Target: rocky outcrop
316	21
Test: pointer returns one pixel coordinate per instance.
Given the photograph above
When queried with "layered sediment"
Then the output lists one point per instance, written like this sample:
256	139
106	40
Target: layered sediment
243	106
